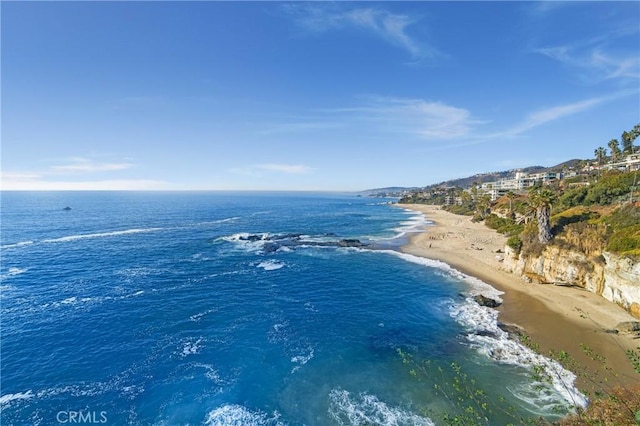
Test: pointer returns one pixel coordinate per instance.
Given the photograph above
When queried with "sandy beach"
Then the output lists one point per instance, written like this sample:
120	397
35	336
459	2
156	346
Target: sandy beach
557	318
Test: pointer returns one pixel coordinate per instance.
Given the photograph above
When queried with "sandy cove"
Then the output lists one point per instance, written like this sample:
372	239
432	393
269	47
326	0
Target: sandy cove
557	318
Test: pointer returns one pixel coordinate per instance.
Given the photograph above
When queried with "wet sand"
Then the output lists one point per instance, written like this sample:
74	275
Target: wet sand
556	318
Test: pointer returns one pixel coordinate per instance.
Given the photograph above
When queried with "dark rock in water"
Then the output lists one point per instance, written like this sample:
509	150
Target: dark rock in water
271	247
512	329
274	242
67	208
288	237
486	333
350	243
486	301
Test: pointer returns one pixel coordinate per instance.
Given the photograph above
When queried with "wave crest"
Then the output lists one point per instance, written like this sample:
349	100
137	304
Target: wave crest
237	415
364	409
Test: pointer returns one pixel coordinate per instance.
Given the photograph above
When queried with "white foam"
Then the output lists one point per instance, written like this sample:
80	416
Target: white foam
189	347
8	398
310	307
302	359
415	223
16	245
13	272
363	408
77	390
100	235
211	373
501	348
476	286
228	219
242	240
270	265
237	415
495	344
198	316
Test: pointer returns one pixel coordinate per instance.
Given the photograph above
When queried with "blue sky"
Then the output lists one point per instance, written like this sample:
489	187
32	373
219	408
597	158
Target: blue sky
308	95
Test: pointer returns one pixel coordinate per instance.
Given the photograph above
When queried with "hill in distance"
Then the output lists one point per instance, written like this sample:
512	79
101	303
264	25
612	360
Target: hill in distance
466	182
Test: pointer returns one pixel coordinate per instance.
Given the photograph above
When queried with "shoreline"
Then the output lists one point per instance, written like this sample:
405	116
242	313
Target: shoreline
554	317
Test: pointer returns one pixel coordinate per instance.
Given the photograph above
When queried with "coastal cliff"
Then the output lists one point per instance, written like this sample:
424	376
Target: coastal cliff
614	277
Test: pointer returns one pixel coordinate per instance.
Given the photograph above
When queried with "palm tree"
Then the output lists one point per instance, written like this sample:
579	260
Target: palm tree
511	195
541	200
483	206
601	154
466	199
614	145
627	142
635	133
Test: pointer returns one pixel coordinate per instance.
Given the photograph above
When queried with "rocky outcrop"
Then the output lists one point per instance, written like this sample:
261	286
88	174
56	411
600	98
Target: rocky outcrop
616	278
272	243
486	301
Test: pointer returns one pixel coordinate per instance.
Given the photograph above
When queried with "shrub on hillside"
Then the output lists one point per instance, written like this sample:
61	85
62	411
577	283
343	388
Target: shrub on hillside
531	245
628	215
625	241
503	225
609	188
460	209
573	197
589	238
515	243
620	407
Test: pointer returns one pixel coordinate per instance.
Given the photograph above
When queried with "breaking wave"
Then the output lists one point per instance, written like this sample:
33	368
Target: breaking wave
557	389
237	415
365	409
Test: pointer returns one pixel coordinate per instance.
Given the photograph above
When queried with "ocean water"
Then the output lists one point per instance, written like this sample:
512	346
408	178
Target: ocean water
242	309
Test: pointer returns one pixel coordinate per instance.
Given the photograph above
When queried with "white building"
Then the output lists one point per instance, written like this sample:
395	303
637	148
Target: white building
630	163
520	182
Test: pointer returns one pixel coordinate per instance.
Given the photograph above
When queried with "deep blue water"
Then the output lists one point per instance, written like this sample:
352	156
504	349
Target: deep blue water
197	308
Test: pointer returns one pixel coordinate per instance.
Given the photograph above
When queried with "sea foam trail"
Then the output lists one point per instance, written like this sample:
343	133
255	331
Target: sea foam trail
100	235
8	398
69	238
16	245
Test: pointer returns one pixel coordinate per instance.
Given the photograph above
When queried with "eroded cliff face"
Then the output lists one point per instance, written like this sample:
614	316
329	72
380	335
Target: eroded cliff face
616	278
622	282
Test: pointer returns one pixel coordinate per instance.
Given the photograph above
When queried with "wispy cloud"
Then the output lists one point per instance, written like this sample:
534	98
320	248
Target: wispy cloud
595	63
11	181
417	117
260	169
541	8
293	126
284	168
388	26
543	116
84	165
75	175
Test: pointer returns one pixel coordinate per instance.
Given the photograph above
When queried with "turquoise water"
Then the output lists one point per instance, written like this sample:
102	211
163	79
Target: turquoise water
238	308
